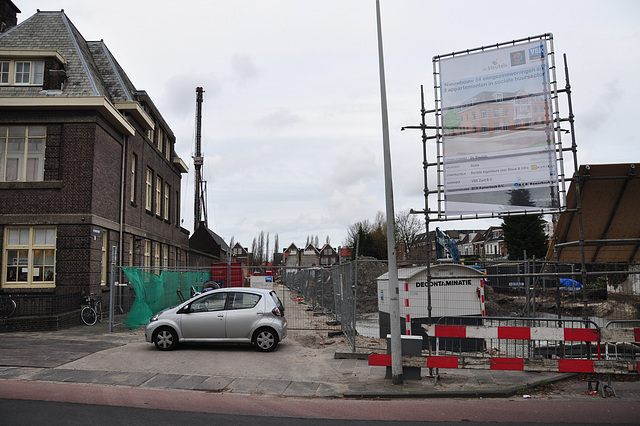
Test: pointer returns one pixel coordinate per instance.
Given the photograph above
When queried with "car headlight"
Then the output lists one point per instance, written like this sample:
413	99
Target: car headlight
154	318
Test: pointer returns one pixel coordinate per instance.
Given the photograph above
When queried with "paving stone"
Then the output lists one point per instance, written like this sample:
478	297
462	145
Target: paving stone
125	378
276	387
161	381
214	384
301	389
244	385
84	376
189	382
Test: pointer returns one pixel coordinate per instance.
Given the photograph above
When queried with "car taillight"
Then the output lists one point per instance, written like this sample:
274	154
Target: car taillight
276	312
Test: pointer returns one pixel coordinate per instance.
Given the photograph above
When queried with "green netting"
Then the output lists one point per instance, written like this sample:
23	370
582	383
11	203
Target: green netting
157	292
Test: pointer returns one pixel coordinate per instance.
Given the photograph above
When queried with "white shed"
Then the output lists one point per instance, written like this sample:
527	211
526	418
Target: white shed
456	290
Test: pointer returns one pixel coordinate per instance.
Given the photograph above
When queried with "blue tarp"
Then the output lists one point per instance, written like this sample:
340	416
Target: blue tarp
566	282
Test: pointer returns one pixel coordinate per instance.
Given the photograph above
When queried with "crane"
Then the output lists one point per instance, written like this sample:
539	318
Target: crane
444	242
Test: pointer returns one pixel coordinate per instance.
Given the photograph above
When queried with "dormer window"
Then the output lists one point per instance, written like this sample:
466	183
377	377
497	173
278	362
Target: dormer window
22	72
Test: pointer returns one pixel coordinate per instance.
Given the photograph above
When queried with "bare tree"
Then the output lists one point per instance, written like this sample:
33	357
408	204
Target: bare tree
254	251
266	252
276	244
408	226
260	247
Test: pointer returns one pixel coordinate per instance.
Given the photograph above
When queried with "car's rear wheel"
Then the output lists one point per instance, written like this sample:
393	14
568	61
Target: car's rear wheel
265	339
165	339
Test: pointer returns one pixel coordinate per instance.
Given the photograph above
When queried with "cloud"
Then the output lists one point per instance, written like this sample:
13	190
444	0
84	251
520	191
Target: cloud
602	107
243	68
278	120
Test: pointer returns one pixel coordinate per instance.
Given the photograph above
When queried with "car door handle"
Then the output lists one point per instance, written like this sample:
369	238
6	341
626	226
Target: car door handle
220	315
260	313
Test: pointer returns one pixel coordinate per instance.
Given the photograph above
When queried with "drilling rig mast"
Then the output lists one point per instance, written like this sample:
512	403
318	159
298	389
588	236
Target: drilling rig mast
199	208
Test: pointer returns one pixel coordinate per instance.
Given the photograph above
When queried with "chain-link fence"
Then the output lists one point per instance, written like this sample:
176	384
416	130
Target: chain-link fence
346	298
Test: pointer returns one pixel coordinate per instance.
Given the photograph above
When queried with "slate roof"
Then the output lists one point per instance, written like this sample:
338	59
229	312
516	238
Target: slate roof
91	69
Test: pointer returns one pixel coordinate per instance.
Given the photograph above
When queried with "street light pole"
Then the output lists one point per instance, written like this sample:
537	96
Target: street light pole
396	343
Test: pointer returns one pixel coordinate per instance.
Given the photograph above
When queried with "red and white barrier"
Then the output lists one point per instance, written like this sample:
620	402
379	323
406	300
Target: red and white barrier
560	365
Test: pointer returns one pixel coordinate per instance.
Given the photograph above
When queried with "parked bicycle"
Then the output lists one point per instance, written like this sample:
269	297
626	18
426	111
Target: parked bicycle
92	310
7	306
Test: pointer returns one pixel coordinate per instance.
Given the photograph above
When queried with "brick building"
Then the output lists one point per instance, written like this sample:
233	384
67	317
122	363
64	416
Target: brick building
87	165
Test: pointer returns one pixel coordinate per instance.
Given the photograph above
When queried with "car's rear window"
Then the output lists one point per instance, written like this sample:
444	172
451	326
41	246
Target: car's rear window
276	299
244	300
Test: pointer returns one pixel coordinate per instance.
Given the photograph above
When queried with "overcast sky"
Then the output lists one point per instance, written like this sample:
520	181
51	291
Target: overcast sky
292	133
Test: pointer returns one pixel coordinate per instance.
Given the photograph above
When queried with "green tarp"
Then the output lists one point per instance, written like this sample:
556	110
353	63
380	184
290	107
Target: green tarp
157	292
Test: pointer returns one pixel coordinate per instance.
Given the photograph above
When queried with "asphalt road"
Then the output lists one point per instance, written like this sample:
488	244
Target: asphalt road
69	414
175	404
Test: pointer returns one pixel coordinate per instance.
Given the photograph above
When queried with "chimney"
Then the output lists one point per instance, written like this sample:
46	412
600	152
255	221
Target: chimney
8	15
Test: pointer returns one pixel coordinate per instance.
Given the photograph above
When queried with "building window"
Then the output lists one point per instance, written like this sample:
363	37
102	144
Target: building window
147	253
149	191
167	149
29	256
4	72
130	250
22	72
134	162
103	259
177	216
156	255
165	256
158	209
167	192
160	140
22	153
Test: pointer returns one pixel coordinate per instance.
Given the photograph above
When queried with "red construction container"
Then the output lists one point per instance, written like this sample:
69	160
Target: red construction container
220	273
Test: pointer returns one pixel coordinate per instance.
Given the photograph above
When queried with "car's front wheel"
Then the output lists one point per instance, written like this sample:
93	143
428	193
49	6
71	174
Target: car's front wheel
265	339
165	339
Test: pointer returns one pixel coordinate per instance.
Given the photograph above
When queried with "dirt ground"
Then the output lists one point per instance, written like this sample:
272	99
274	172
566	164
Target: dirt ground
615	307
578	384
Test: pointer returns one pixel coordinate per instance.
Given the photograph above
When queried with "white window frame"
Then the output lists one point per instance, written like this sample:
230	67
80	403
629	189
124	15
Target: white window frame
103	259
147	253
134	165
5	72
149	191
29	241
12	73
158	209
156	255
24	152
167	204
131	250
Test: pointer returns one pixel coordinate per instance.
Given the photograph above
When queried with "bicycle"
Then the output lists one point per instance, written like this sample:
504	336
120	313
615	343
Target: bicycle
92	310
7	306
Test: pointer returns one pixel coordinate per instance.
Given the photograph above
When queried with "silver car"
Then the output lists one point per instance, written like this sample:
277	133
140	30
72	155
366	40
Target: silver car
229	315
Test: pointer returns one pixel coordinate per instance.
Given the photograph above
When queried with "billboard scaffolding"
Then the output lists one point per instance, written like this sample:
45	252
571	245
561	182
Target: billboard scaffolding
499	149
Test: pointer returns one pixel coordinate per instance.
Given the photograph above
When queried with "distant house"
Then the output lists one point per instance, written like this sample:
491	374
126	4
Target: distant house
292	256
328	256
310	256
494	246
240	255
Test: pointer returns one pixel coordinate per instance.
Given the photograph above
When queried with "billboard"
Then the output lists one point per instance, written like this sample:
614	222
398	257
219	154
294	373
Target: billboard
498	144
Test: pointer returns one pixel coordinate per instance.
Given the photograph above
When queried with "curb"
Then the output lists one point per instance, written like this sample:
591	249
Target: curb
506	392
